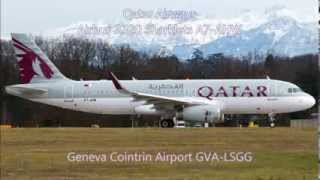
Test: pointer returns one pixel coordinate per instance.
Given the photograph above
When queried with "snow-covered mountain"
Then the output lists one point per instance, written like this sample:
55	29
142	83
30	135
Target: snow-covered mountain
277	30
283	36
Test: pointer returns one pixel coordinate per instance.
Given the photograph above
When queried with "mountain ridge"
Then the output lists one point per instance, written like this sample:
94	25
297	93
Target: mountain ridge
278	30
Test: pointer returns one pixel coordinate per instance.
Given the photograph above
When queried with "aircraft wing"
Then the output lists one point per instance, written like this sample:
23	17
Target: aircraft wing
153	99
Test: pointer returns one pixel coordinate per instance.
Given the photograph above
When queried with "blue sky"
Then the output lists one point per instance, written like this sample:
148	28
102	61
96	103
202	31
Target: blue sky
39	15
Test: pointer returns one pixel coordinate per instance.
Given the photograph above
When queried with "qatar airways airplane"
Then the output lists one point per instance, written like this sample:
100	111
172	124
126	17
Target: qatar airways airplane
201	100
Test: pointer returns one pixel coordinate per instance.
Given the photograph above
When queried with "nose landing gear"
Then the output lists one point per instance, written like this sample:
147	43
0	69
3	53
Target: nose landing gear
272	120
272	125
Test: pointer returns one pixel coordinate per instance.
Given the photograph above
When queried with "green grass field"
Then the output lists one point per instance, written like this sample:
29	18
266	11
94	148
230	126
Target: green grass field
279	154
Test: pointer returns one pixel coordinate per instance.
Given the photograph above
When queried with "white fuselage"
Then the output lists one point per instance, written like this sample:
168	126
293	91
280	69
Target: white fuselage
193	100
260	96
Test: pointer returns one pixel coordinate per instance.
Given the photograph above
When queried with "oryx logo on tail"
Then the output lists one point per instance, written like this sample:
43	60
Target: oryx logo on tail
34	65
30	64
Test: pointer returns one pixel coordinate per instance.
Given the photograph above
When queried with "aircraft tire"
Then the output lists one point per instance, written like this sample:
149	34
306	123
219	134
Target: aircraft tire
272	125
167	123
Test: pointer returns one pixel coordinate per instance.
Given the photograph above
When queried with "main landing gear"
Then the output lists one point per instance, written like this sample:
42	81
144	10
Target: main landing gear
167	123
272	120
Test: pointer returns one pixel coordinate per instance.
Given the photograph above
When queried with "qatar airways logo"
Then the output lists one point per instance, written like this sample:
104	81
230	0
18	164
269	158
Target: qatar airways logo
31	64
232	91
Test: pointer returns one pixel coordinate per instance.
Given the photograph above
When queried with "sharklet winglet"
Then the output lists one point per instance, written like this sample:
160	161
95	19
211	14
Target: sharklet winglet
117	84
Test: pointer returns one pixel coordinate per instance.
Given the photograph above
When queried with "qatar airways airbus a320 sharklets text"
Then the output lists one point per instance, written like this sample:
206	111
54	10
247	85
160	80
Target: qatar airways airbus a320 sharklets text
200	100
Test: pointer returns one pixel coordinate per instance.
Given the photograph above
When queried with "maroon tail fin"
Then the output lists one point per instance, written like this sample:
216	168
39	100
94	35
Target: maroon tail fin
34	65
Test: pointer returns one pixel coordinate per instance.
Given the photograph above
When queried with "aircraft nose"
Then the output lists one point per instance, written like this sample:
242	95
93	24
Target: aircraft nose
309	101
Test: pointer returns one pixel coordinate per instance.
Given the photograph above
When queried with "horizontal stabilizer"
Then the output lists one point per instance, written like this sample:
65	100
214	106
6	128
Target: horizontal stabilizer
25	91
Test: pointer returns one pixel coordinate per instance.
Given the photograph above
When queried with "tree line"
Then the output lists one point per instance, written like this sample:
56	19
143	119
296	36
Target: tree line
84	59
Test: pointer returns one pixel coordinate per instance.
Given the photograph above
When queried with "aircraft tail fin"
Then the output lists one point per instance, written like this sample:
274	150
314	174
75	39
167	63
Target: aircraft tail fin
34	65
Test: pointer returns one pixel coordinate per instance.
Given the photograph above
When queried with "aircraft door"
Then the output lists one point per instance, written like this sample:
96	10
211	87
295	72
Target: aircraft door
272	89
68	93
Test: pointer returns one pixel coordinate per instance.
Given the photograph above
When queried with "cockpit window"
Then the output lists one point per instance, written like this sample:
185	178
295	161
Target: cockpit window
294	90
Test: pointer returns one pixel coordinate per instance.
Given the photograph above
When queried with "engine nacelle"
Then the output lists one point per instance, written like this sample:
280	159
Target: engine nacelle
147	110
203	113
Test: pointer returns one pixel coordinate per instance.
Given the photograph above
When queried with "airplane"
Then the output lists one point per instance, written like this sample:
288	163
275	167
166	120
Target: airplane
203	100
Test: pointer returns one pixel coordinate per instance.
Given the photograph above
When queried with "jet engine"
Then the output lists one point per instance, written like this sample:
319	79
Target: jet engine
203	113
